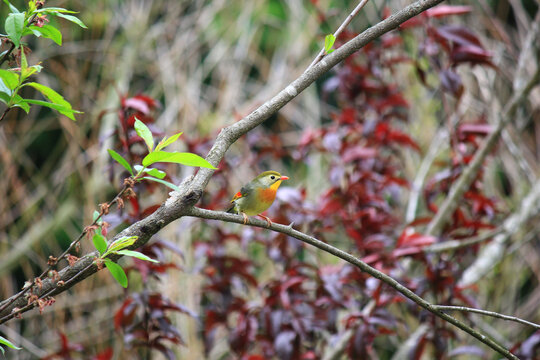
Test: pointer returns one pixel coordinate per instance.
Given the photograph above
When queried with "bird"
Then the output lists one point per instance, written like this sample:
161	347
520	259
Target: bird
257	195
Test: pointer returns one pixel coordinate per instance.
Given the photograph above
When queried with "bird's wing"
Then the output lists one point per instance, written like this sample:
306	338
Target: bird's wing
244	191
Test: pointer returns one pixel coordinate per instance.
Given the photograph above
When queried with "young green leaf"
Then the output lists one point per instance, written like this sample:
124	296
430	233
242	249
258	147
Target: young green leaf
72	18
156	173
23	105
20	102
55	10
6	342
54	98
150	171
328	43
117	272
4	97
144	132
95	215
166	183
100	243
116	156
30	70
49	32
137	255
167	141
24	63
188	159
51	105
121	243
10	79
14	27
12	8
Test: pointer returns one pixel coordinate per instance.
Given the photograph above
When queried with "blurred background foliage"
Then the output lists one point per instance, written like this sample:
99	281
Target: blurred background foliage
208	64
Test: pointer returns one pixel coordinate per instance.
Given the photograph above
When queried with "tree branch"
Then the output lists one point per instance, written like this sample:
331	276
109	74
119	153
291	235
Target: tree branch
288	230
485	312
342	27
191	189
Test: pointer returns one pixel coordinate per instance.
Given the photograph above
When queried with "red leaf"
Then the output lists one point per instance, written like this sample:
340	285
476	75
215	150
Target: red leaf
458	35
471	53
451	82
477	129
358	152
446	10
107	354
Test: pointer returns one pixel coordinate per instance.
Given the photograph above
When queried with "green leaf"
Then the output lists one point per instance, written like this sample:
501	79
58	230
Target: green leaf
156	173
328	43
55	10
23	104
24	63
116	156
73	19
54	98
5	98
117	272
167	141
122	243
143	131
30	70
31	7
188	159
166	183
49	32
11	7
10	79
95	215
100	243
14	27
57	107
137	255
6	342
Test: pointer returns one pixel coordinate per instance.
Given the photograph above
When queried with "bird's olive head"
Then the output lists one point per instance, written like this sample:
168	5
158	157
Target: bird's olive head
268	178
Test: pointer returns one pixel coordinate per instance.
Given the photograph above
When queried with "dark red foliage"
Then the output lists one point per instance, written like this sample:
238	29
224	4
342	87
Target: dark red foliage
143	318
293	307
66	349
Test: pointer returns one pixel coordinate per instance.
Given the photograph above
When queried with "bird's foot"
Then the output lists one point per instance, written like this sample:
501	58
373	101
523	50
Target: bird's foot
245	218
268	221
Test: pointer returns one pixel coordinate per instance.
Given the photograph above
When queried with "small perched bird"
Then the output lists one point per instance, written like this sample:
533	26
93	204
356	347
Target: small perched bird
257	195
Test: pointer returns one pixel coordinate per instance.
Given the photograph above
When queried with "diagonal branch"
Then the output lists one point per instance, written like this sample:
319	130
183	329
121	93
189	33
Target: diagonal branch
342	27
191	189
288	230
487	313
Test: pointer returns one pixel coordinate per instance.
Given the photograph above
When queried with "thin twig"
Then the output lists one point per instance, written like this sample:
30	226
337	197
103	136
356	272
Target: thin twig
288	230
7	53
421	174
63	255
340	30
33	304
4	113
459	244
488	313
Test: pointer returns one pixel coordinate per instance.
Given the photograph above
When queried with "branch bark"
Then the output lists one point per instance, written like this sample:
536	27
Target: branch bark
487	313
191	189
288	230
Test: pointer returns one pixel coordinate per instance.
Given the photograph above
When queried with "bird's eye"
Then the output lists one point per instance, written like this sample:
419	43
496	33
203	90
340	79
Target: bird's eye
272	177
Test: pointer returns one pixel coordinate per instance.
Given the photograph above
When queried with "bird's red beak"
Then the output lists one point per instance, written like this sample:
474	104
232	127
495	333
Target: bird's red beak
284	178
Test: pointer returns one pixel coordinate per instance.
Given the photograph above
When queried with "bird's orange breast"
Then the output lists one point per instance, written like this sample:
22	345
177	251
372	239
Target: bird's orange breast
268	195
